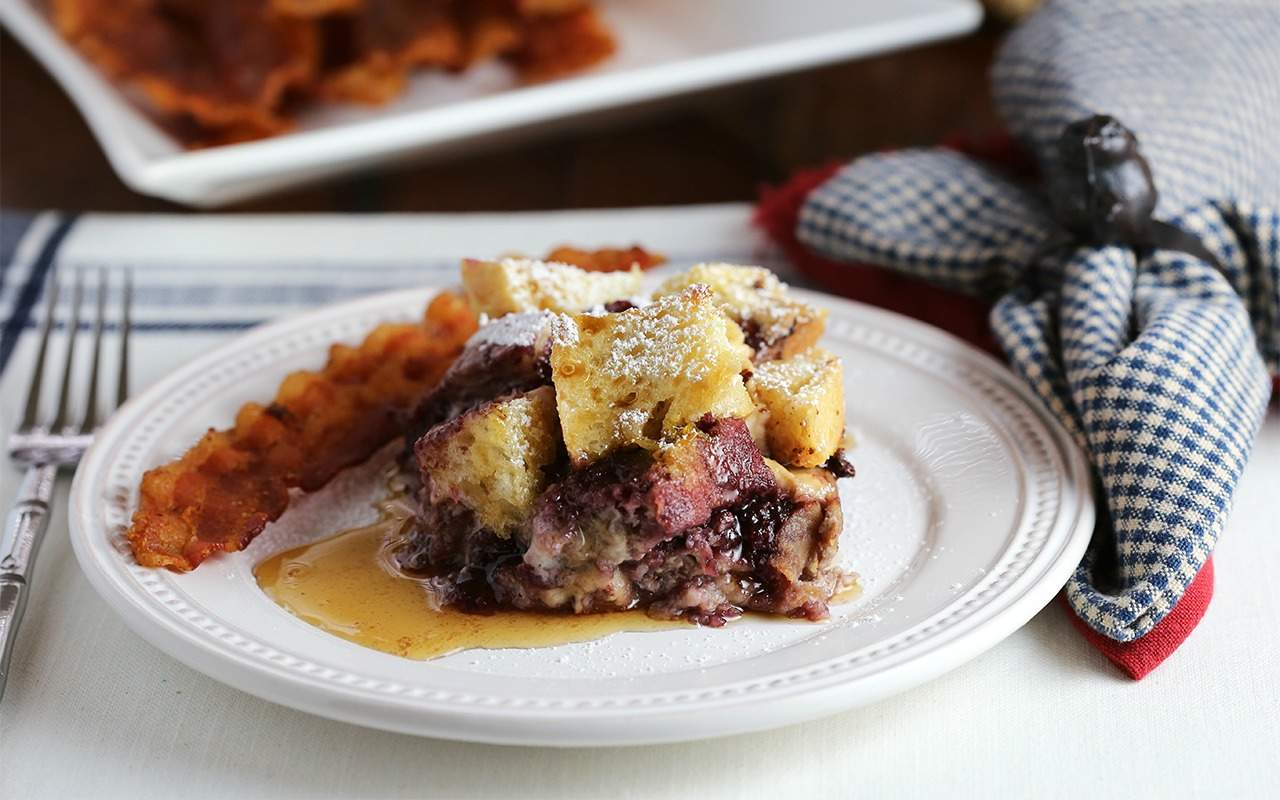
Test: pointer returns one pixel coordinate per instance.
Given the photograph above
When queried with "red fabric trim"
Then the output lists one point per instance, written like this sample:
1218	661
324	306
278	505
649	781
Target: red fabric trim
1139	657
997	149
777	213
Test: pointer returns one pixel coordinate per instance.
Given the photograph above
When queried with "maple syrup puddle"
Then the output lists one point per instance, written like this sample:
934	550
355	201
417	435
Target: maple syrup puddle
347	585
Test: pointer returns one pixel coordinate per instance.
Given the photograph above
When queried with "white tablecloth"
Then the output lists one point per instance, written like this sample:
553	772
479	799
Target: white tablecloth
93	711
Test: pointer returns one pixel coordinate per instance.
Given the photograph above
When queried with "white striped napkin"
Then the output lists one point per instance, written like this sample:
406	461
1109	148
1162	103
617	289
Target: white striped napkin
198	280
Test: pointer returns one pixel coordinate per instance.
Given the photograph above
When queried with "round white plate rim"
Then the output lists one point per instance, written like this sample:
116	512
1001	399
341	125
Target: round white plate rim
600	724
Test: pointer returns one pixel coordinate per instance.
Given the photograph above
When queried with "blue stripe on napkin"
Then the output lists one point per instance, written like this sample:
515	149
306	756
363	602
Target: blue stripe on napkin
13	227
33	287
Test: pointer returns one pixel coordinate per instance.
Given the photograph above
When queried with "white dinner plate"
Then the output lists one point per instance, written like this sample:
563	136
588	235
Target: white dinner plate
666	47
970	509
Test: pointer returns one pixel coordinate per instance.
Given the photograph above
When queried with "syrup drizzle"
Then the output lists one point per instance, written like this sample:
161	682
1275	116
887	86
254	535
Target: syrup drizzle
348	586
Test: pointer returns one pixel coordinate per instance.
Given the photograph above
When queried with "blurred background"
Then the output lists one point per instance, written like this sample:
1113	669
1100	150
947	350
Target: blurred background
716	145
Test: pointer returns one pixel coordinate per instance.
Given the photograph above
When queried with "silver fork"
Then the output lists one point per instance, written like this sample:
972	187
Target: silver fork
46	449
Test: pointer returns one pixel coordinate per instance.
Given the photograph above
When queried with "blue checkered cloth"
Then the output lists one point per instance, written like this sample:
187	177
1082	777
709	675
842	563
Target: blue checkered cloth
1157	364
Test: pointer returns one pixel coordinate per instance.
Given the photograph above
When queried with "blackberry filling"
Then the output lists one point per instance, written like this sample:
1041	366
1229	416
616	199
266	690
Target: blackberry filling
701	530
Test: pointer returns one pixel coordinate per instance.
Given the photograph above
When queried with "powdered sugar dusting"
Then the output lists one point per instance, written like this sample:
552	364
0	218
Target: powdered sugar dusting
563	287
655	342
751	296
563	331
534	330
629	424
514	330
798	377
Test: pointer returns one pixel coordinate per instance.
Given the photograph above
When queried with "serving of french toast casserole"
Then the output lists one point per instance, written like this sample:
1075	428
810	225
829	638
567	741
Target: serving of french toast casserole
596	448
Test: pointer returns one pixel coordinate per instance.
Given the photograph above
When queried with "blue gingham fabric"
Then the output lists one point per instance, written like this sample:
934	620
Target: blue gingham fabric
1158	363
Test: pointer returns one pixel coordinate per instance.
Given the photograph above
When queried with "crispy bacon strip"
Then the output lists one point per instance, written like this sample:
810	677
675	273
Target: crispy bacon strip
555	46
536	8
489	28
235	70
607	259
224	491
314	8
370	52
224	65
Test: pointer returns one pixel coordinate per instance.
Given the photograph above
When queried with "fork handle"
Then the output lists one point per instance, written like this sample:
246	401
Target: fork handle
19	544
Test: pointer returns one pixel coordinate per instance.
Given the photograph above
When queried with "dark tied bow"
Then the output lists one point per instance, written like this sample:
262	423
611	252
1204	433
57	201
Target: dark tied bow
1101	191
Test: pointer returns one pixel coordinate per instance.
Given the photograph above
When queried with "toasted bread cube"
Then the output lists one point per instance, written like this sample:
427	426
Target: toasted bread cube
639	376
775	324
802	403
491	460
520	284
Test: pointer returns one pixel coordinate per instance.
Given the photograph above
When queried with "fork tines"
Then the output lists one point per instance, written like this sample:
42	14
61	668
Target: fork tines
62	423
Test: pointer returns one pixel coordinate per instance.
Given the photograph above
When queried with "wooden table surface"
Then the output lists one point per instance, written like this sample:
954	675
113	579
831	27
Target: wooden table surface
720	145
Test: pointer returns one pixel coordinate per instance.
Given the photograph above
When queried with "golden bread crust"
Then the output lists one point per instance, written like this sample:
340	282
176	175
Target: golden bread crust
801	401
493	460
641	375
520	284
776	325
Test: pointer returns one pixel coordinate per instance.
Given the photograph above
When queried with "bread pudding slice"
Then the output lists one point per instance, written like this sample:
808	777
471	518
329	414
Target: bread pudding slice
774	324
493	460
700	529
509	354
513	285
604	461
801	400
639	376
